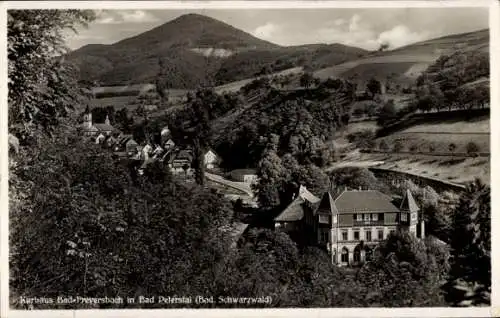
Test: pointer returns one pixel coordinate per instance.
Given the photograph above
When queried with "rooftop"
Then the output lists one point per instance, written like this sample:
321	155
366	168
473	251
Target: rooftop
364	201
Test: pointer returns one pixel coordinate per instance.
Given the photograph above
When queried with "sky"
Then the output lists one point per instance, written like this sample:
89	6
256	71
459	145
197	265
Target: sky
364	28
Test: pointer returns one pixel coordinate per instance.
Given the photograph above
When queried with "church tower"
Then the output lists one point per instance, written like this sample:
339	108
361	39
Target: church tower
107	122
87	118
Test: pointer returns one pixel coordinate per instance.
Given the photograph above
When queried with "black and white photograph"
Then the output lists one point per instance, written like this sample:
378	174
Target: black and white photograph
248	157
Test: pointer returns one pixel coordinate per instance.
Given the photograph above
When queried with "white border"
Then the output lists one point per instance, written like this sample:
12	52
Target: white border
492	311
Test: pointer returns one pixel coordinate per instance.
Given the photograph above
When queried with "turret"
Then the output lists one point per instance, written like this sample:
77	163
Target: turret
410	214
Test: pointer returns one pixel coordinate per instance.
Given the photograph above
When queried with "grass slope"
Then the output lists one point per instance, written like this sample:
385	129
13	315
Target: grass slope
407	63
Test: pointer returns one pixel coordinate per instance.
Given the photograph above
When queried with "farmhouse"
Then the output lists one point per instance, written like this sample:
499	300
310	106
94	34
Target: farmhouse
350	226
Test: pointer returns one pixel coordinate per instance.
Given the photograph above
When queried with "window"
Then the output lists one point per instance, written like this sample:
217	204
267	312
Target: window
359	217
324	236
404	217
368	235
414	216
344	235
335	219
392	232
344	257
380	235
323	219
356	235
367	217
375	217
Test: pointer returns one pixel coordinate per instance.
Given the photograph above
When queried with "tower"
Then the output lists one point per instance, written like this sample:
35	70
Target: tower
87	118
107	120
409	213
328	223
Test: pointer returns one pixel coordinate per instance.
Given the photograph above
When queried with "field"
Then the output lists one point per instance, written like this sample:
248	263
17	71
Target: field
442	165
452	169
378	66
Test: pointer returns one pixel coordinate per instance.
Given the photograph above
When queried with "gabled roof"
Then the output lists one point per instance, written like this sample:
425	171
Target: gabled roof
408	203
293	212
327	204
364	201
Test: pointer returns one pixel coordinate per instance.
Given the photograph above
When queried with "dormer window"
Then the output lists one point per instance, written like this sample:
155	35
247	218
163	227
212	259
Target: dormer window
404	217
323	219
367	217
359	217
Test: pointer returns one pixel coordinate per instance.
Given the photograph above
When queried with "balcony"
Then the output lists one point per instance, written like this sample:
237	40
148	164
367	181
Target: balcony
368	223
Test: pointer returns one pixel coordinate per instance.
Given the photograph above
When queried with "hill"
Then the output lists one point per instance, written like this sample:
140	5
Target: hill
198	51
405	64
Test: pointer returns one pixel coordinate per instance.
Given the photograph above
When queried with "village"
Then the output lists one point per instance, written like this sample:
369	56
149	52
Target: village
201	159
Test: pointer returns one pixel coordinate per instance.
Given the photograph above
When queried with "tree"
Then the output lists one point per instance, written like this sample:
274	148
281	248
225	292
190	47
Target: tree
472	148
470	275
42	86
374	87
270	173
63	242
194	124
356	178
452	147
387	113
306	80
403	272
398	146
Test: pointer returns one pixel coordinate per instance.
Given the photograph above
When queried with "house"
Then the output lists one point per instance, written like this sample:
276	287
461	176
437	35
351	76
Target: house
211	159
181	162
169	144
110	141
165	134
126	143
350	226
244	175
100	138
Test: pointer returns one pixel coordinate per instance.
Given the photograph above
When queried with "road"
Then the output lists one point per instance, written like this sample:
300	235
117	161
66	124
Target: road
241	186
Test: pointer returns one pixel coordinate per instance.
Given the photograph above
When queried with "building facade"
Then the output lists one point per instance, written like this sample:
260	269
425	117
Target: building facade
350	226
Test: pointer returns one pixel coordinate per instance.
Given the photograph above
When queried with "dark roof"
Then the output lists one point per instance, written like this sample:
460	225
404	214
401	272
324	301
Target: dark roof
408	203
293	212
104	127
242	172
364	201
327	204
184	154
